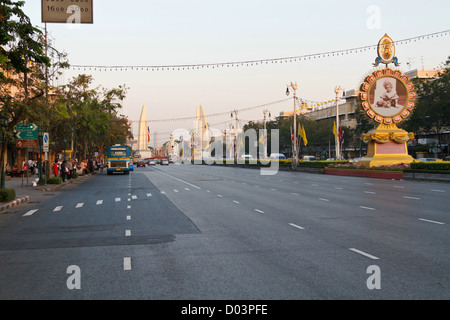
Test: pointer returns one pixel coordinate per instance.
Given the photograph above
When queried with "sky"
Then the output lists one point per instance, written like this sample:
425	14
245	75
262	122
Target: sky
198	32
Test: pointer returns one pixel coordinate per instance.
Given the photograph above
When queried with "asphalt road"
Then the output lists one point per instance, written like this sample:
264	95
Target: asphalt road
185	232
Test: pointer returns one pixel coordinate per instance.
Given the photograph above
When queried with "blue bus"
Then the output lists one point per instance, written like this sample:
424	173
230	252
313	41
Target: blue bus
119	159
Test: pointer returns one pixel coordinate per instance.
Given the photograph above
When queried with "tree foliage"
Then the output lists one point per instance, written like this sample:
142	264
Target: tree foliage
432	111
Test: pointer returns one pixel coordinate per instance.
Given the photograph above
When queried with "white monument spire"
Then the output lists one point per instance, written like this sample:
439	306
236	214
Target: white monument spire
143	133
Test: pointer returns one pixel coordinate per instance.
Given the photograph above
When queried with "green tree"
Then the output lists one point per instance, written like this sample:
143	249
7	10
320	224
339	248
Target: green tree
22	58
432	111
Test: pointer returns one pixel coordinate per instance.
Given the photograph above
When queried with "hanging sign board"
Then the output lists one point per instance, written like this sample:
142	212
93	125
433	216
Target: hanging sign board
67	11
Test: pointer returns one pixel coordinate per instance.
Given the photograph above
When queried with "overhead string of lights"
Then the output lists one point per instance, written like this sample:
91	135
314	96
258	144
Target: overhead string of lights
181	67
220	113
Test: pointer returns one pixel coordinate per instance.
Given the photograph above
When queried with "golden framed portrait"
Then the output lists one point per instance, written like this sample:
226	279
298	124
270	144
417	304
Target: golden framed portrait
387	96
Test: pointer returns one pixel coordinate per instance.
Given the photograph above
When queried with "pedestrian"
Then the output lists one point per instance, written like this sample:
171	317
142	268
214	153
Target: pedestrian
63	171
55	168
70	168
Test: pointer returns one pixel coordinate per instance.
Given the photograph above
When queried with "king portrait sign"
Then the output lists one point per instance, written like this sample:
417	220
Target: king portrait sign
388	96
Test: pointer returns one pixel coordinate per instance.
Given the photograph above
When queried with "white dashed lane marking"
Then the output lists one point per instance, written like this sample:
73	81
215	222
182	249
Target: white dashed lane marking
426	220
296	226
29	213
126	264
364	253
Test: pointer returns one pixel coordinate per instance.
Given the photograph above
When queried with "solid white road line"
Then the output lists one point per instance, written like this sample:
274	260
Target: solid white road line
296	226
29	213
437	222
364	253
189	184
126	264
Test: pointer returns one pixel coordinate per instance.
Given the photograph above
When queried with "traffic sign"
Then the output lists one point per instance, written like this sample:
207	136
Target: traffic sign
45	142
27	143
27	131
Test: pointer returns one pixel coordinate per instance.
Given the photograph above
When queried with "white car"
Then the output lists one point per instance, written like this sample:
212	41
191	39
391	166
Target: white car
277	156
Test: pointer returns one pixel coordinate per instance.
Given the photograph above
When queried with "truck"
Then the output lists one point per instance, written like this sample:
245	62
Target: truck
119	160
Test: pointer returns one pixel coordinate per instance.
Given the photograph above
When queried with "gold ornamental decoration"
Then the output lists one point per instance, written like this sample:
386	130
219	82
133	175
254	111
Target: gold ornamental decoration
388	96
385	137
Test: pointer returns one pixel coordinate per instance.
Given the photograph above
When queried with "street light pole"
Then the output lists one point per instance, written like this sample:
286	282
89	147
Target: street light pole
294	87
338	90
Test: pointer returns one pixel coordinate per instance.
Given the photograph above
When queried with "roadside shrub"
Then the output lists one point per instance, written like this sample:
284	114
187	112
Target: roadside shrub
7	195
54	180
431	165
320	164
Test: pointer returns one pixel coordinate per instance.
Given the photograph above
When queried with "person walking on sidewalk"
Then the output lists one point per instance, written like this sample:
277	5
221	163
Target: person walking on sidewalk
55	168
63	171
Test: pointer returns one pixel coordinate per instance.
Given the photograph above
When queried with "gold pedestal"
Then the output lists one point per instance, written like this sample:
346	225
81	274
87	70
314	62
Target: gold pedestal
386	146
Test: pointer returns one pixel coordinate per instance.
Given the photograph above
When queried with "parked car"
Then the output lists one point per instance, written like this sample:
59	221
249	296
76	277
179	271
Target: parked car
279	156
140	163
309	158
164	162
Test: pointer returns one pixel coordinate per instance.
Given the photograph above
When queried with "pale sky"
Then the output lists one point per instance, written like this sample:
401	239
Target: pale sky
173	32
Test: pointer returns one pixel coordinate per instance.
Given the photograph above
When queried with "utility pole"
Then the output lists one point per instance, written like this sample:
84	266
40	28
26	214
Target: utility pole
338	90
294	87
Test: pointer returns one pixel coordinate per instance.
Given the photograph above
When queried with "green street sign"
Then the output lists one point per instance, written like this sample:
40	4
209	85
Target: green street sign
27	131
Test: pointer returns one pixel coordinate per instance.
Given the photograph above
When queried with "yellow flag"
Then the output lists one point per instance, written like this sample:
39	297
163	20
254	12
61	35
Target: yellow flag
299	129
305	141
334	130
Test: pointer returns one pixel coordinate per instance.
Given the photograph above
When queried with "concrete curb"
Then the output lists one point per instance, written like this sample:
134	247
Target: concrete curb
14	203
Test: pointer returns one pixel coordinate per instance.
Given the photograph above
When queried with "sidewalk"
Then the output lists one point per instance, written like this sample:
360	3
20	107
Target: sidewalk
25	191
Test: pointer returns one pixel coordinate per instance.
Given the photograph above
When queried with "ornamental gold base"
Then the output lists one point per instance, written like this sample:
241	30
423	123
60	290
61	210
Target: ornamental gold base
386	146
